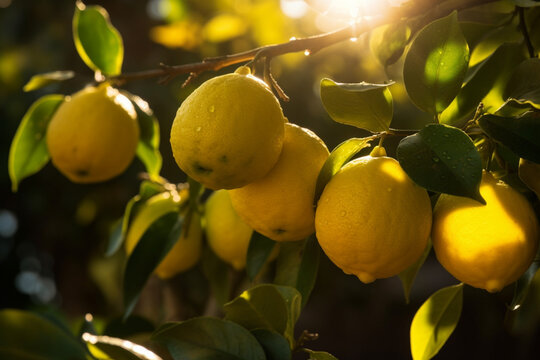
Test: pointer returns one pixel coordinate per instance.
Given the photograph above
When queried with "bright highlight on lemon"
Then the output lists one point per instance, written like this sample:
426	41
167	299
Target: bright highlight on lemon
372	221
485	246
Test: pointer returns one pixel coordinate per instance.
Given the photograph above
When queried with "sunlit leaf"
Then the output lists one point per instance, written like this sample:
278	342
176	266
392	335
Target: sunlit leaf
153	246
120	349
363	105
319	355
435	321
436	64
388	42
259	250
524	84
28	336
207	338
492	40
28	152
408	275
444	159
494	68
339	156
298	265
185	34
224	27
274	345
521	134
42	80
98	42
523	284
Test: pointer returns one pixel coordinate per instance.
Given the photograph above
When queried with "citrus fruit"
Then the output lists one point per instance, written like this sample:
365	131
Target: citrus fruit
186	251
228	132
93	135
228	235
280	205
372	221
486	246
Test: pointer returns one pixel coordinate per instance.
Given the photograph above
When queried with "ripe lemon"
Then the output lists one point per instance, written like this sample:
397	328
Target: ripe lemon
93	135
227	234
372	220
280	205
486	246
228	132
186	251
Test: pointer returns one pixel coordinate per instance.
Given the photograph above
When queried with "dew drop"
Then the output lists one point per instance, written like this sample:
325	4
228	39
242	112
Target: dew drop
343	213
211	108
198	128
307	52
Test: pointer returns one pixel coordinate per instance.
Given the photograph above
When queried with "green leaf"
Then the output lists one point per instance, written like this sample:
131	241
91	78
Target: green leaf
118	327
408	275
442	158
319	355
524	84
521	134
260	248
298	265
148	146
28	336
209	338
363	105
339	156
98	42
28	152
492	40
153	246
486	76
523	284
274	345
436	64
527	3
388	42
119	349
42	80
218	274
261	307
435	321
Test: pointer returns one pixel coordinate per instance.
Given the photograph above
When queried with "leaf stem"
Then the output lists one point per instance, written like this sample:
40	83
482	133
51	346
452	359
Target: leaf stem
523	28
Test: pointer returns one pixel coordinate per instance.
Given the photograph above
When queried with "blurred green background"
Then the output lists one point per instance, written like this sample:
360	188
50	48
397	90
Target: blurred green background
53	233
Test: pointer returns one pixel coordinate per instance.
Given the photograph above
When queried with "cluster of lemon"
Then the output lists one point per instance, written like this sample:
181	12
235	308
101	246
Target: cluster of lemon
371	219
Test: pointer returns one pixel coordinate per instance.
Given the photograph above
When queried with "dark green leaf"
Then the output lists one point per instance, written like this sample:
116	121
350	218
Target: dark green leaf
524	85
339	156
98	42
297	266
274	345
363	105
28	153
436	64
408	275
521	135
133	325
120	349
435	321
260	248
293	301
388	42
493	69
523	284
28	336
153	246
208	339
218	274
319	355
444	159
42	80
148	146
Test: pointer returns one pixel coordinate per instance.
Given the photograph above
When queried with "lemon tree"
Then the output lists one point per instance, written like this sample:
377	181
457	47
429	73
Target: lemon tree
443	156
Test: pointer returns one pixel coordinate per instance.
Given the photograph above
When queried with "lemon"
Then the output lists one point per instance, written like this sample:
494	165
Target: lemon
372	220
280	205
228	132
228	236
486	246
186	251
93	135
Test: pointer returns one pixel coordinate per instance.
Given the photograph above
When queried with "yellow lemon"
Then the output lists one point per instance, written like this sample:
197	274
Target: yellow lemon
227	234
372	220
186	251
228	132
93	135
280	205
486	246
